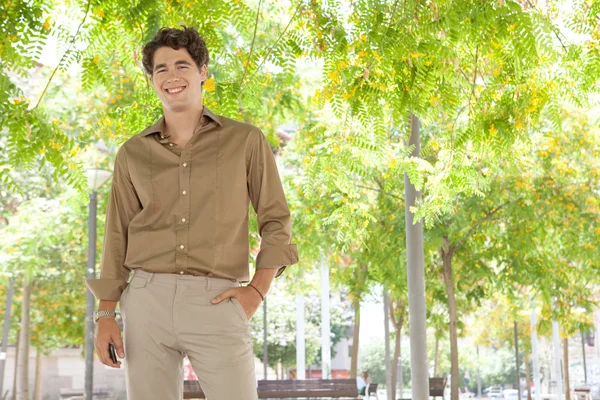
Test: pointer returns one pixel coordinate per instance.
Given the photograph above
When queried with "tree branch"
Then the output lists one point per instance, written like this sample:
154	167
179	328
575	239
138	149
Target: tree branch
270	49
477	225
252	45
64	55
378	190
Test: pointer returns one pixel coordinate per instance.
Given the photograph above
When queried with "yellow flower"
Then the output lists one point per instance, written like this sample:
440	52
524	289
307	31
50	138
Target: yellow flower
493	131
96	59
497	45
47	24
209	84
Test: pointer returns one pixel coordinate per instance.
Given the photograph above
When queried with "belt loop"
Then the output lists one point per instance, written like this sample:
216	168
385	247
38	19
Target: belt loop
150	277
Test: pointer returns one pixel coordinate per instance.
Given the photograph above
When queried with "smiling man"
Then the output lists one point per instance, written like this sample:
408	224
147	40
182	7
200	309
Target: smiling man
177	218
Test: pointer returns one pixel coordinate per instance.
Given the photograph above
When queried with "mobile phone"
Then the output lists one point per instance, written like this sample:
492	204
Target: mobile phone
112	352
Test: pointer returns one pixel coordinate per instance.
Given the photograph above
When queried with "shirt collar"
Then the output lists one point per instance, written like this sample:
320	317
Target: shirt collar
159	125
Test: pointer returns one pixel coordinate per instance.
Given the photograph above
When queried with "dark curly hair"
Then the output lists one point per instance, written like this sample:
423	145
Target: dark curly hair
175	39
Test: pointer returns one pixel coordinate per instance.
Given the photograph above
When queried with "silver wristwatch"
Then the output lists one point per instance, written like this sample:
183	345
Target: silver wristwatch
103	313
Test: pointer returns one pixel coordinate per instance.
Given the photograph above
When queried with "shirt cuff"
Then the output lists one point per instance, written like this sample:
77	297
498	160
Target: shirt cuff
106	289
277	256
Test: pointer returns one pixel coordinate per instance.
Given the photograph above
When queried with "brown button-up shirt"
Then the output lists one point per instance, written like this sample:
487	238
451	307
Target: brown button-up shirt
184	210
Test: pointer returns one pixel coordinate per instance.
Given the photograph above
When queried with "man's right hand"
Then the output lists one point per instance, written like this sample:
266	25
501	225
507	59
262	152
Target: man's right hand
107	331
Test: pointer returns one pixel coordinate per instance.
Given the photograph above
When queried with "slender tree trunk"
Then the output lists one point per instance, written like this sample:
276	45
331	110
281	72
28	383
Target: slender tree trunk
435	357
23	360
566	368
527	376
446	254
354	361
396	360
517	361
415	263
397	310
14	388
37	394
390	388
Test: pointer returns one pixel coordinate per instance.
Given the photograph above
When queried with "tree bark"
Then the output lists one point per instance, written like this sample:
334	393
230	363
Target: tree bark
388	362
23	360
517	361
566	368
527	375
14	388
435	357
37	394
446	253
397	309
354	361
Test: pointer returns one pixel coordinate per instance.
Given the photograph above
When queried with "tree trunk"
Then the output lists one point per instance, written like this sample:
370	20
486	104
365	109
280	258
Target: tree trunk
397	310
390	388
14	388
446	254
517	362
23	360
435	357
527	376
37	394
354	361
396	360
417	305
566	368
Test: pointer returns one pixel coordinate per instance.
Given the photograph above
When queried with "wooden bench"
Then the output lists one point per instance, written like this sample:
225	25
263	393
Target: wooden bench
290	389
372	390
437	387
79	394
310	388
582	393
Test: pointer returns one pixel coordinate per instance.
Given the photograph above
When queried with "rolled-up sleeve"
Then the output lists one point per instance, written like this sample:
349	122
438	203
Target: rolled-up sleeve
123	205
268	200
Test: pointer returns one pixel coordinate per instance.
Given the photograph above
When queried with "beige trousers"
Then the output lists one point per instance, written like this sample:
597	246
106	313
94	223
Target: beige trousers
165	317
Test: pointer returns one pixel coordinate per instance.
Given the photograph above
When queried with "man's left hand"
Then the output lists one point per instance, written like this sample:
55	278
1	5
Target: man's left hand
248	297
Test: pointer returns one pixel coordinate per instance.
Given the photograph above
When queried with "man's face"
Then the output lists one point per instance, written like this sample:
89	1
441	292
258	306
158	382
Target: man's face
175	69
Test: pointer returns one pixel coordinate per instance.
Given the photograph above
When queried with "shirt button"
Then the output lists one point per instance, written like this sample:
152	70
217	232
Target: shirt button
185	164
171	144
182	219
184	192
181	246
181	272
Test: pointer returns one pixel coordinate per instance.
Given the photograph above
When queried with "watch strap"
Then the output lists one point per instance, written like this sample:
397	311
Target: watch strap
104	313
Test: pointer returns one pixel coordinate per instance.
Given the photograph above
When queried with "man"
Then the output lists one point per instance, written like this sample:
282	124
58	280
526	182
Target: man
178	218
362	382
